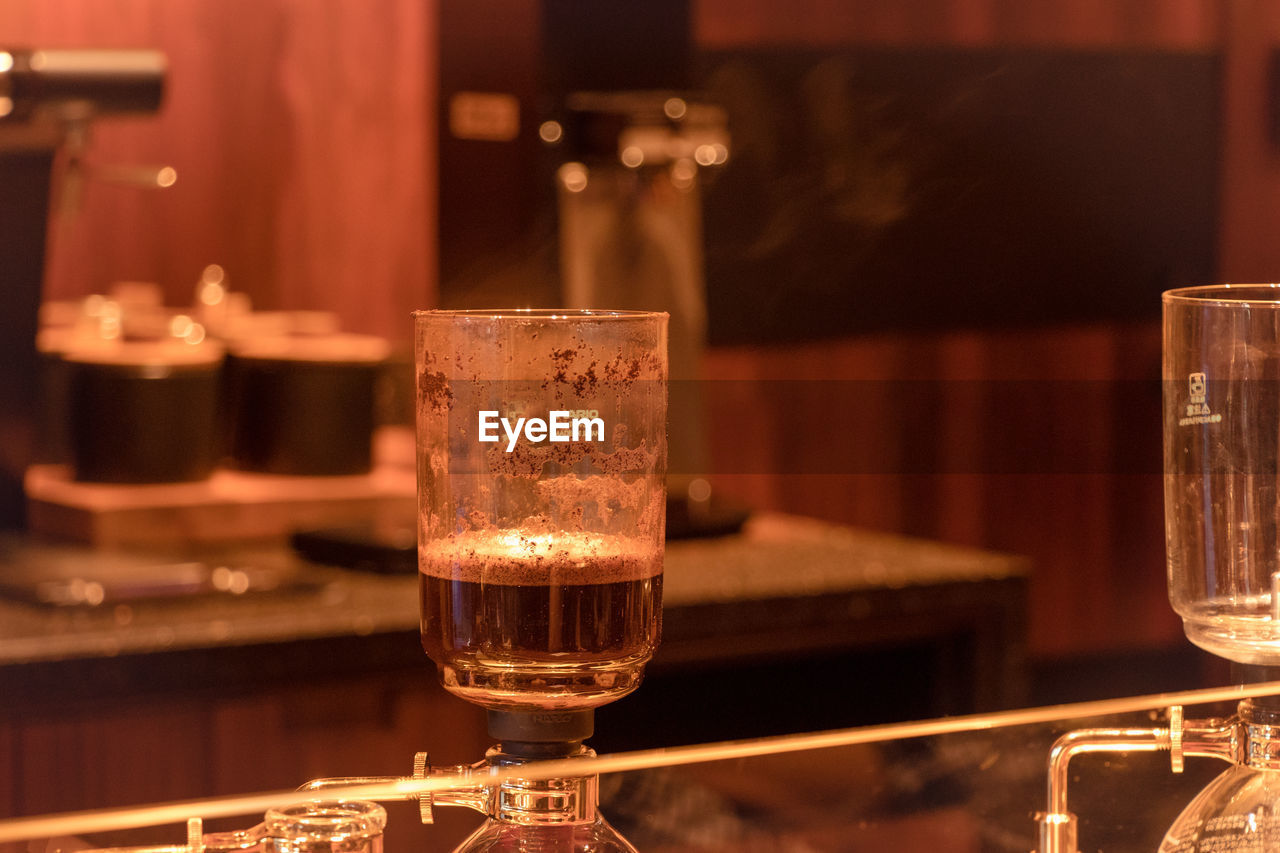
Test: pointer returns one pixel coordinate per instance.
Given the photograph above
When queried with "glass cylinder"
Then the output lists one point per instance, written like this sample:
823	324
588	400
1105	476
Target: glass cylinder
1222	467
541	449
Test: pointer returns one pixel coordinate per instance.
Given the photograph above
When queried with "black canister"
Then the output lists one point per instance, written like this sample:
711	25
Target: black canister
143	412
304	405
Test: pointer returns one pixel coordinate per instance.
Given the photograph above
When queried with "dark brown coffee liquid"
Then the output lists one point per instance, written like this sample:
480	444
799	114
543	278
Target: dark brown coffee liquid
540	626
573	623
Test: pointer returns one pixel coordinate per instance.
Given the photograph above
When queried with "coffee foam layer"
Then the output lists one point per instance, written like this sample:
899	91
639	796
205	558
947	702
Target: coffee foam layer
518	558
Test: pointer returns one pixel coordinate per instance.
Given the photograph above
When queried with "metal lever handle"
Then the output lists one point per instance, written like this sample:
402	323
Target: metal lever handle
76	169
421	770
142	177
474	797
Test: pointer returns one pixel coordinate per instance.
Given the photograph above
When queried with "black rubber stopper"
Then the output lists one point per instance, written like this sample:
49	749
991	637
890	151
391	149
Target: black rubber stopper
542	734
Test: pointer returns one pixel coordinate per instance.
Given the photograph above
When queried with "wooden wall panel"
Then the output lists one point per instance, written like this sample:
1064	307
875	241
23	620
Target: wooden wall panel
113	756
1251	159
1039	442
303	135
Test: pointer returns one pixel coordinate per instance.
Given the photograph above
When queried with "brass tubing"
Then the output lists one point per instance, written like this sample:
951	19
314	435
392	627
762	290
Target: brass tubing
1213	738
1095	740
1058	827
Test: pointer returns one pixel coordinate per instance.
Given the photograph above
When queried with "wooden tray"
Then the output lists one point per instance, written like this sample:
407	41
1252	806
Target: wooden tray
230	505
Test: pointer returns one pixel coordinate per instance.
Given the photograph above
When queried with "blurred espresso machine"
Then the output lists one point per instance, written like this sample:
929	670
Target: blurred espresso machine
48	101
580	120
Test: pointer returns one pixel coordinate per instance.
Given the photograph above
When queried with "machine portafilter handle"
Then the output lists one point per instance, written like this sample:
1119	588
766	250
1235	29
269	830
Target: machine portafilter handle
52	96
79	84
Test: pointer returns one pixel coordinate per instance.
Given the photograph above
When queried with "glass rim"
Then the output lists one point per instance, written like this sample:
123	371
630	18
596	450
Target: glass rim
594	314
1262	293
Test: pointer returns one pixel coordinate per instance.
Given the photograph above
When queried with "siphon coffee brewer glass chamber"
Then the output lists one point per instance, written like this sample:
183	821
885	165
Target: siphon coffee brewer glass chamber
1221	390
541	453
1222	524
1222	467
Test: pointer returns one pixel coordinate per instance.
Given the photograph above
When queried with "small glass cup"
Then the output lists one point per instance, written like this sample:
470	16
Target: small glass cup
541	448
1222	467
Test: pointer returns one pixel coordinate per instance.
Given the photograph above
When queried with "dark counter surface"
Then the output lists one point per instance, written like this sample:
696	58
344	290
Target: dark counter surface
311	602
782	576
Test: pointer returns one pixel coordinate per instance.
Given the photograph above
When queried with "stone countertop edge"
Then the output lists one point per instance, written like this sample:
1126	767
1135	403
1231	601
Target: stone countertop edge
774	557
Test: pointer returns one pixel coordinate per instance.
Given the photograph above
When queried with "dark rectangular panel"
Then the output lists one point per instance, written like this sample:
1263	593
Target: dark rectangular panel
879	189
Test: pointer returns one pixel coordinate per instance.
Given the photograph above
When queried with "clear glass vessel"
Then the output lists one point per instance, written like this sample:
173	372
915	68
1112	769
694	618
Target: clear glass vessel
556	815
1240	810
596	836
541	461
1222	467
